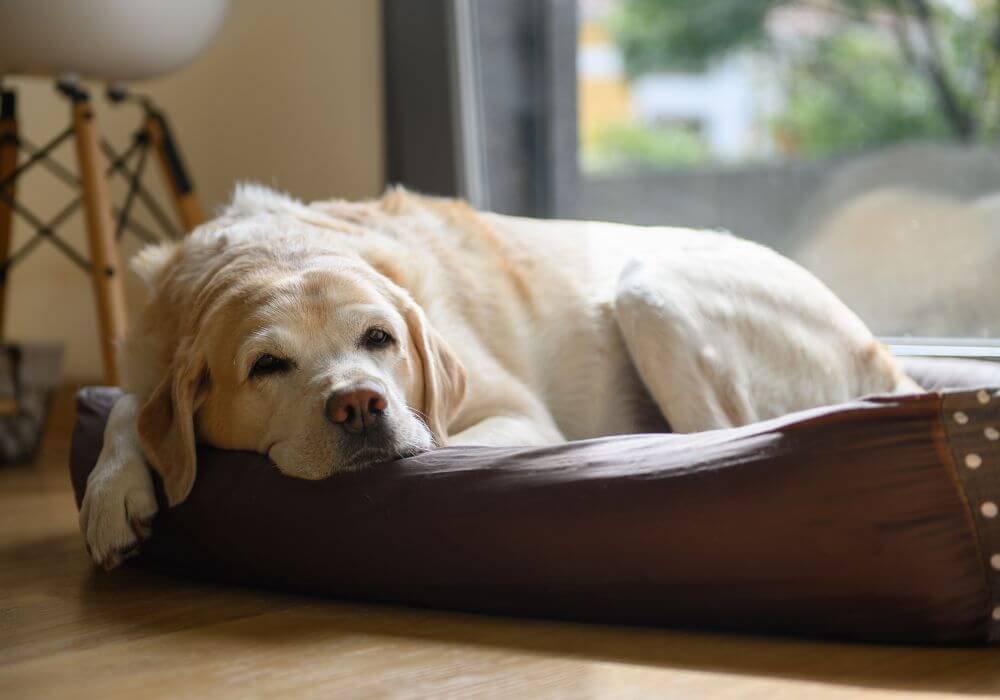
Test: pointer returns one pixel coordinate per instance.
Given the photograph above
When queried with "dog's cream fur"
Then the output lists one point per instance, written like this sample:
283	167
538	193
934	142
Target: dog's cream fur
507	331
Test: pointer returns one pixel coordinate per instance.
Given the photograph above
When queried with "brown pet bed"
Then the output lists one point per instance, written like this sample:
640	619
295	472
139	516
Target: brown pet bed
871	520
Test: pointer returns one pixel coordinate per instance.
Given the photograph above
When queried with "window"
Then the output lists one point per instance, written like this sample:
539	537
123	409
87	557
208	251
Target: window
860	138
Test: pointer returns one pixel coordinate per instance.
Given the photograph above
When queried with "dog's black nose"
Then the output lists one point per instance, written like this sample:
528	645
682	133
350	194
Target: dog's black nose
356	408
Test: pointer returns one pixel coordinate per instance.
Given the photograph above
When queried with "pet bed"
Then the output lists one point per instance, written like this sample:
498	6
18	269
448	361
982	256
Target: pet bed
871	520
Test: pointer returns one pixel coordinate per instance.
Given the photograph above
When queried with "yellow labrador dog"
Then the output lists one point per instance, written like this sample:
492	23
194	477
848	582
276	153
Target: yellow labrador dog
337	335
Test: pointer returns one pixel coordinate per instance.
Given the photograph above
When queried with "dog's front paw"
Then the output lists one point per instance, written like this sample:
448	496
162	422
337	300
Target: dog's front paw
118	509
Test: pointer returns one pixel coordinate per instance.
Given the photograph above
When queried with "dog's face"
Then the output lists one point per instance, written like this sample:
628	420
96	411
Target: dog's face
318	370
315	359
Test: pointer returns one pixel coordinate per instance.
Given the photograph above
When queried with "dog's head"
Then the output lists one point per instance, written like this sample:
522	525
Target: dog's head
276	335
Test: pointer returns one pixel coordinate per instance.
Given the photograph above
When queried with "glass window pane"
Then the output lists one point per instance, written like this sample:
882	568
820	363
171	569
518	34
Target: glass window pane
859	137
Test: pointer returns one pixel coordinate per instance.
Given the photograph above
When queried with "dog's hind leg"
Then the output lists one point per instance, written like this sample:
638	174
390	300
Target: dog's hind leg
732	333
692	387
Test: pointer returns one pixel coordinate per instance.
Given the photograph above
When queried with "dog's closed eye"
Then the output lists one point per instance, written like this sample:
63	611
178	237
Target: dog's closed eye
268	364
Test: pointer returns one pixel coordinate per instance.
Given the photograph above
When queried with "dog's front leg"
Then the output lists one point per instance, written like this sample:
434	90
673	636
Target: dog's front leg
119	503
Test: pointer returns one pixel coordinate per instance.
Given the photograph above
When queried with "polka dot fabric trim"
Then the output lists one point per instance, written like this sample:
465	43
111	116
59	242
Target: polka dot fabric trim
972	421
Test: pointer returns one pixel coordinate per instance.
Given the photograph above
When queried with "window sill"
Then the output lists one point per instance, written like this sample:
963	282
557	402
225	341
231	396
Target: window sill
968	348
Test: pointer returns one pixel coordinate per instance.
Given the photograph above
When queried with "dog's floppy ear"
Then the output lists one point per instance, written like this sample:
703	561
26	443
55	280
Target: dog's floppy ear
166	422
443	373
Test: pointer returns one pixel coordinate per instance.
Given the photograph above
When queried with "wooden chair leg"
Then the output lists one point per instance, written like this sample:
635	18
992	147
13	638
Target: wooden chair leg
105	264
169	156
8	191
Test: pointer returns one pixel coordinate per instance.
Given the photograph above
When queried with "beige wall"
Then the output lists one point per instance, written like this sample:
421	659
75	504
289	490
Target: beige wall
288	95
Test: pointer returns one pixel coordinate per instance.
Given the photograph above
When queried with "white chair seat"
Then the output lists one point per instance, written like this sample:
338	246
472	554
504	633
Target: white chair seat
107	40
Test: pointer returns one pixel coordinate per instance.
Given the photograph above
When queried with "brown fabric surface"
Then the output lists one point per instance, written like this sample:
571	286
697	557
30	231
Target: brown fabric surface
971	423
845	521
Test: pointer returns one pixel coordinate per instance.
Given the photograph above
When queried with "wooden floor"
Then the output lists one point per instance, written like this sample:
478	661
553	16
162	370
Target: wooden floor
67	630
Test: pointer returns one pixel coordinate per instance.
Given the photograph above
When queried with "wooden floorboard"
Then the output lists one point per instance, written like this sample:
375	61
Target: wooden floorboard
67	630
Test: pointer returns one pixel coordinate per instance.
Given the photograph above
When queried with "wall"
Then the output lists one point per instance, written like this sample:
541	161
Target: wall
782	204
289	94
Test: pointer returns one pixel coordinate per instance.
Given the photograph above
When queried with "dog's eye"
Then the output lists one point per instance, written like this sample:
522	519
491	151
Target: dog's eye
269	364
377	338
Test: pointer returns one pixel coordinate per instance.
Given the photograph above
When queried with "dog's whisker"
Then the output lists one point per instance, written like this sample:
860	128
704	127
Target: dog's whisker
419	415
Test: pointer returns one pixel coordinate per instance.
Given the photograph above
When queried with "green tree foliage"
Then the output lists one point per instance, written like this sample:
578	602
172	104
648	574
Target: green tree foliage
890	70
631	146
686	34
852	92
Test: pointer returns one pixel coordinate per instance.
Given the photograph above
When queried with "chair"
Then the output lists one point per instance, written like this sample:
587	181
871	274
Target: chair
114	42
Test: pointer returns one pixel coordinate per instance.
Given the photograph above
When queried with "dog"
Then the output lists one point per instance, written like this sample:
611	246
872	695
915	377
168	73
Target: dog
336	335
